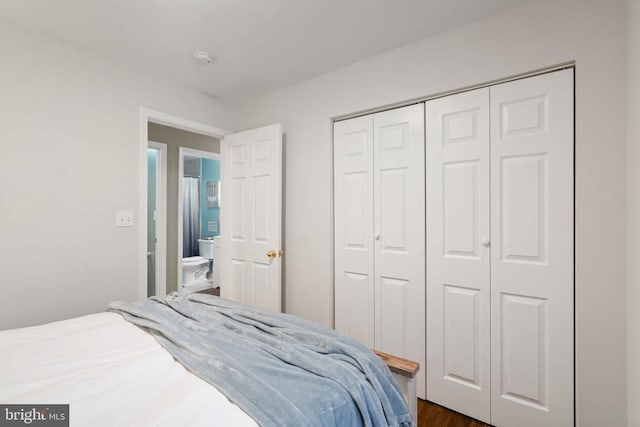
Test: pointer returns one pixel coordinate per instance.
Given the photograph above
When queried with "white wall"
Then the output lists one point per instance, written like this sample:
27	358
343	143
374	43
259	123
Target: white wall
633	214
73	118
534	35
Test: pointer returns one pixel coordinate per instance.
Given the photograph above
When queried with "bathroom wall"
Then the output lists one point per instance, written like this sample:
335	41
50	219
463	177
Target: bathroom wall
210	172
175	138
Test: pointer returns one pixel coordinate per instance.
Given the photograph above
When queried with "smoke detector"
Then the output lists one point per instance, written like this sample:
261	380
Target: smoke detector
202	57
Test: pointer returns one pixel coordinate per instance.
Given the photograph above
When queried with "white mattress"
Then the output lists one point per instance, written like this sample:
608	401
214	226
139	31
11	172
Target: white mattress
111	373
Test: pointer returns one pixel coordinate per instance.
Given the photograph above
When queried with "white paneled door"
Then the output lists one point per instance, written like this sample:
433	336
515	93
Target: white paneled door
532	251
500	242
379	232
251	217
354	244
399	234
458	254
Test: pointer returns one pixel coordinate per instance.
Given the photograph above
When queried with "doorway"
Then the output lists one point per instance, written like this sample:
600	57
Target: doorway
151	122
198	222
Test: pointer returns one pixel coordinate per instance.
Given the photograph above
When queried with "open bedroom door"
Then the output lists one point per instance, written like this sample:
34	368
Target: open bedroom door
251	217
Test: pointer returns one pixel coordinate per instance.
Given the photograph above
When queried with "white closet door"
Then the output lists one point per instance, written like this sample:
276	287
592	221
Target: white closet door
458	256
399	234
532	251
353	207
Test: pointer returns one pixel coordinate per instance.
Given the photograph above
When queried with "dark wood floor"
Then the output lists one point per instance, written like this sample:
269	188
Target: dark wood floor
211	291
432	415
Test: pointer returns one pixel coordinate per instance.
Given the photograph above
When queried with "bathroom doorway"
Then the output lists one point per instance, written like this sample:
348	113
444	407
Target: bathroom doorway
199	204
173	132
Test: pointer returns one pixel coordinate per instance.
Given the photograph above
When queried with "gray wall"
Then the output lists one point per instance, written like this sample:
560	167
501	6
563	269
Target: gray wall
175	138
633	213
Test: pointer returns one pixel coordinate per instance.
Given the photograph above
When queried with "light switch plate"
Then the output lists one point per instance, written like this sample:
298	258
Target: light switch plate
124	219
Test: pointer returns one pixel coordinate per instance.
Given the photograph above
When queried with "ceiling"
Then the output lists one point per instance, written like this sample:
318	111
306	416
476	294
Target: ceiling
258	45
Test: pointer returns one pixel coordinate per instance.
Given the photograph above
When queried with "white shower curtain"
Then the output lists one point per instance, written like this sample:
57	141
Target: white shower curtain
191	216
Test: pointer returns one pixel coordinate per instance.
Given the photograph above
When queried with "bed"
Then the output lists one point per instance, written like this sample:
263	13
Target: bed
121	367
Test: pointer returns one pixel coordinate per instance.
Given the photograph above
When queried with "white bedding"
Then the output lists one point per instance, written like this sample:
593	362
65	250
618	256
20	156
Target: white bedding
111	373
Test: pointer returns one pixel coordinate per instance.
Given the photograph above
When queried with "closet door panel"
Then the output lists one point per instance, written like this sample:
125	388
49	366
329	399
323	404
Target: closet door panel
532	251
392	221
460	189
523	208
395	297
399	234
356	307
458	276
353	199
461	316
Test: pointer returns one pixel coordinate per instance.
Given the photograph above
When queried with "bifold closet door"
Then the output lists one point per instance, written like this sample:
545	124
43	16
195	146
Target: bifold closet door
500	252
458	255
399	227
532	251
353	222
379	232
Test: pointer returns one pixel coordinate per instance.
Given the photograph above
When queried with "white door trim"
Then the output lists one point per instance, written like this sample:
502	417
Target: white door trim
146	116
161	218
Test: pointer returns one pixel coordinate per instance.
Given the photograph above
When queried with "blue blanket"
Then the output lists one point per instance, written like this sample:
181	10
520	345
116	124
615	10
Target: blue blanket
280	369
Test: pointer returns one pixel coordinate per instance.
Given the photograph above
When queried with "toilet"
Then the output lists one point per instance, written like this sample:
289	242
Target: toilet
210	249
194	274
195	268
205	246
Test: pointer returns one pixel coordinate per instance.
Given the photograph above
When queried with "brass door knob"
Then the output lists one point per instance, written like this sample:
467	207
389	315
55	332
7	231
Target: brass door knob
273	253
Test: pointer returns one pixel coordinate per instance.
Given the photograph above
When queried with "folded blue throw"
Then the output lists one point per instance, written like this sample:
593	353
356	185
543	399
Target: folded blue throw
280	369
